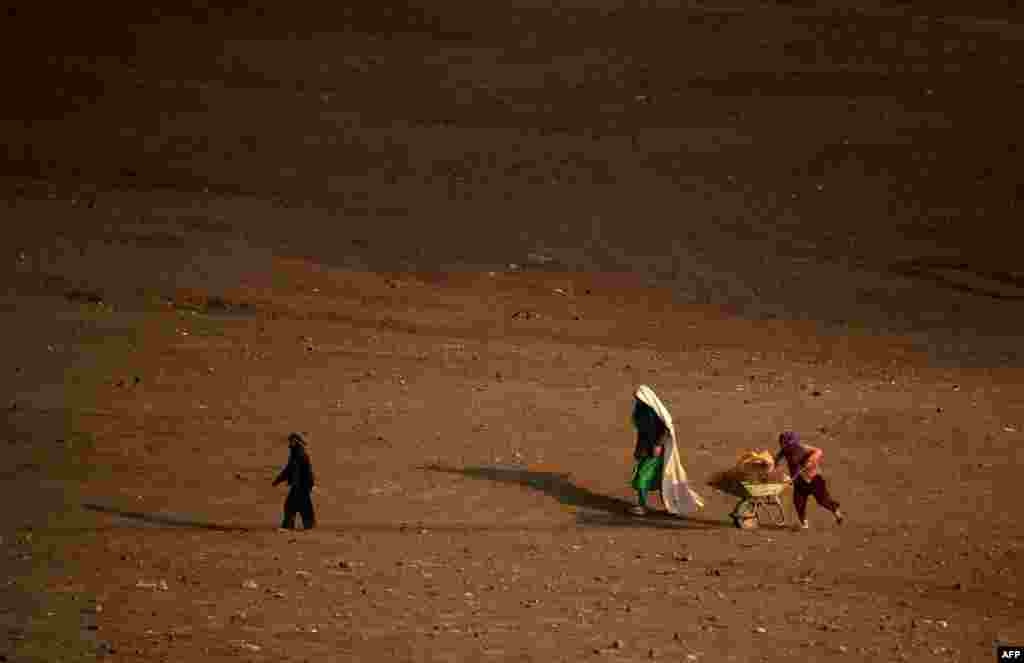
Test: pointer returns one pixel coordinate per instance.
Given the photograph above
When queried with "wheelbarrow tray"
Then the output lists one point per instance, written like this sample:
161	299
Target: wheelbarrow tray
758	502
744	489
755	489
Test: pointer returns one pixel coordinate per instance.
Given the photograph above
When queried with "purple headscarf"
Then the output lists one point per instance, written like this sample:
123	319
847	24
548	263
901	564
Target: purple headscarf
788	439
794	452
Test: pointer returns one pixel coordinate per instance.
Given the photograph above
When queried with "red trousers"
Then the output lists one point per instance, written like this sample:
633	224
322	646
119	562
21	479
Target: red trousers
803	489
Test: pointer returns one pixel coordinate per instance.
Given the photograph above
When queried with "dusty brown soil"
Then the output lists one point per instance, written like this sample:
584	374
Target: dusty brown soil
228	225
473	466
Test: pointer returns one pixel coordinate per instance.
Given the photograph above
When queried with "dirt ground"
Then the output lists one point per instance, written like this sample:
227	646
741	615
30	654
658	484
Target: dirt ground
447	243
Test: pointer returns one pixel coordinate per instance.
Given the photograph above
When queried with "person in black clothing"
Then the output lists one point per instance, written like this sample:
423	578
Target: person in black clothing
299	475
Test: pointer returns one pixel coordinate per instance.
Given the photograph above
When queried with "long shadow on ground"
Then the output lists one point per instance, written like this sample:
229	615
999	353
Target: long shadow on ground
144	520
559	487
610	511
161	519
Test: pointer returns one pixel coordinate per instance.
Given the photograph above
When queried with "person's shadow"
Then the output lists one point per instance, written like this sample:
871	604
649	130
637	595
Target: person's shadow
162	519
611	511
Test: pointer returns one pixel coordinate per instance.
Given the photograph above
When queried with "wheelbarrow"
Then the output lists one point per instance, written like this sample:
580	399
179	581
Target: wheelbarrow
760	503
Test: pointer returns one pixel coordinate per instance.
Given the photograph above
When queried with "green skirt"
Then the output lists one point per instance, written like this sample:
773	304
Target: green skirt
647	473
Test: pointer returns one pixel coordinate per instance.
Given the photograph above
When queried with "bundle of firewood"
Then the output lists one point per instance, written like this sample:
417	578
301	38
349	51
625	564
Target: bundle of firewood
752	467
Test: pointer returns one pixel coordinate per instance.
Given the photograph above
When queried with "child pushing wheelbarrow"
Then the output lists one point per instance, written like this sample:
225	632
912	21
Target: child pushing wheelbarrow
804	462
759	479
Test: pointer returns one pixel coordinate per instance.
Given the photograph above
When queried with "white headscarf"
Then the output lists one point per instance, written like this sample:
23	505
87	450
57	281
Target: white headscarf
679	498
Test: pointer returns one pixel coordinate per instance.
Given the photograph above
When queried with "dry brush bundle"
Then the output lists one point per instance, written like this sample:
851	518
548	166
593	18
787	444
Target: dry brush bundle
752	467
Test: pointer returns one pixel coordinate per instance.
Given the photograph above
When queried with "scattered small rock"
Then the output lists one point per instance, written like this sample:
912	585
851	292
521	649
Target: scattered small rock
250	584
760	629
618	644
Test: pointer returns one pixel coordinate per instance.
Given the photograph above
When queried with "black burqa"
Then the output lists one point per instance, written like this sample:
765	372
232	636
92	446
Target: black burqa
298	473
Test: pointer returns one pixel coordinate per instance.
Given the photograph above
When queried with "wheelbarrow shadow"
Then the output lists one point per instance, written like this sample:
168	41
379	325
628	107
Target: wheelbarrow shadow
612	511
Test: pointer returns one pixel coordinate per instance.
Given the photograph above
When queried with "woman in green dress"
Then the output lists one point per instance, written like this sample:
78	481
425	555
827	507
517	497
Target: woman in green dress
649	454
659	463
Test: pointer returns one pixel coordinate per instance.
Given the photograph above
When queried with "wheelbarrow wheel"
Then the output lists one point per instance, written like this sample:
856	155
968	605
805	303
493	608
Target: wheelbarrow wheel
744	516
745	522
745	508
